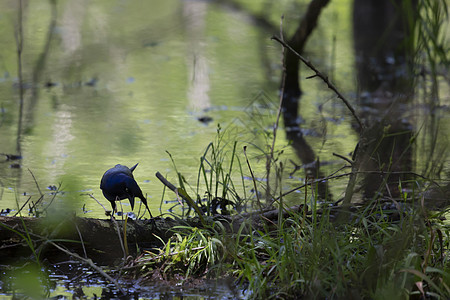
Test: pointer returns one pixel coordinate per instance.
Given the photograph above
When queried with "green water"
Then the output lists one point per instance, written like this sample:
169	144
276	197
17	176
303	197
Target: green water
131	79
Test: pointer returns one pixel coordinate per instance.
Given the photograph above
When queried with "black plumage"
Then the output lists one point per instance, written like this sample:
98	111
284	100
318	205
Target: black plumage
118	183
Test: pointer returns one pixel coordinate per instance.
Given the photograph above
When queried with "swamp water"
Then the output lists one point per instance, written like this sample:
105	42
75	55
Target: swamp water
74	281
126	81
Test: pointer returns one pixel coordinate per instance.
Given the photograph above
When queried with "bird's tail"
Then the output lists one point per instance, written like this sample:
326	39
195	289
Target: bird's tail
133	167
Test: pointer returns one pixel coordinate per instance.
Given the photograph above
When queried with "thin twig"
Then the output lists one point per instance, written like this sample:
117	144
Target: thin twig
120	237
324	78
253	178
91	264
125	241
344	158
90	195
20	209
314	181
33	206
35	181
81	239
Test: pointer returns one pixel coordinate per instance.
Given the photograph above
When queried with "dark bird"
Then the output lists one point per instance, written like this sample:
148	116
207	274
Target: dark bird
118	183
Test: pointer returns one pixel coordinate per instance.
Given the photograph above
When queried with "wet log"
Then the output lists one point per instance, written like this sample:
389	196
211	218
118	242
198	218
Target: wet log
102	239
99	239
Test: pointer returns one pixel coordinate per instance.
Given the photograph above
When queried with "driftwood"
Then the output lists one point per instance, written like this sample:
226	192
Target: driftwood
99	239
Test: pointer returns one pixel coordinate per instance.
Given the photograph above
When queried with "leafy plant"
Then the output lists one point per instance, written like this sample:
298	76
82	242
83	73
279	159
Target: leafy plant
190	251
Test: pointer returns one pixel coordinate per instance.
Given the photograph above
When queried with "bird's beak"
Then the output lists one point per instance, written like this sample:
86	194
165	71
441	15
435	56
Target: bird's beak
132	201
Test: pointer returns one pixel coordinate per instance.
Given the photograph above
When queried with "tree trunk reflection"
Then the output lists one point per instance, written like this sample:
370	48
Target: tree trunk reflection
384	91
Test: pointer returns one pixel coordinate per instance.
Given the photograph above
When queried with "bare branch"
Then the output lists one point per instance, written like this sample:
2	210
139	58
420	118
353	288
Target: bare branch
324	78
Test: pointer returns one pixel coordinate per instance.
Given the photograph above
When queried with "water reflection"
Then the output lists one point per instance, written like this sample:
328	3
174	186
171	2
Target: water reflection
384	65
195	13
61	137
73	281
121	84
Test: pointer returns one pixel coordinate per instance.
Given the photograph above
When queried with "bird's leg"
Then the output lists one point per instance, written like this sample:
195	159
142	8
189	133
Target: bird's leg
152	220
114	207
148	210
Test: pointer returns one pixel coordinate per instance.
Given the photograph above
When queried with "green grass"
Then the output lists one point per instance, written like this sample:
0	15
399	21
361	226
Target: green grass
307	253
370	257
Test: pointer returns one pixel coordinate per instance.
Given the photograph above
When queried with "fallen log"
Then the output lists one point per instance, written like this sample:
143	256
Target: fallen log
98	239
103	240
